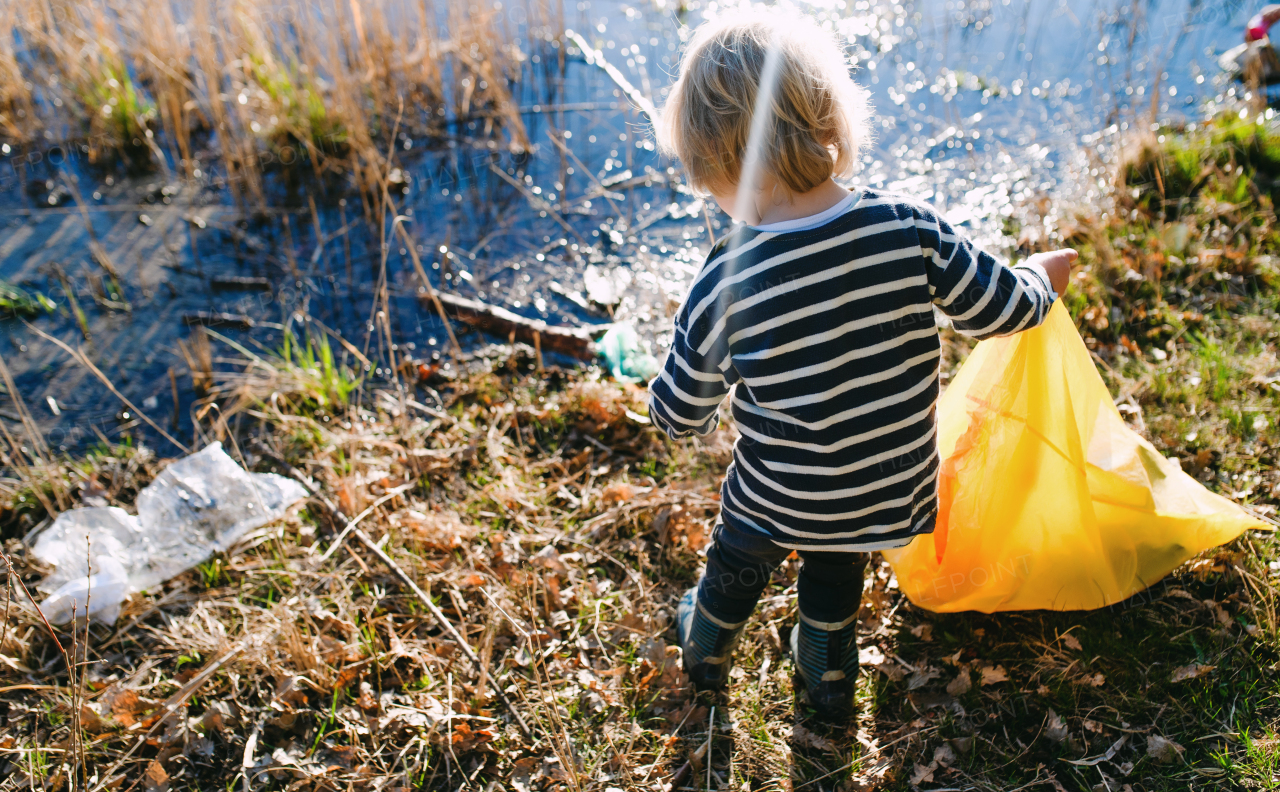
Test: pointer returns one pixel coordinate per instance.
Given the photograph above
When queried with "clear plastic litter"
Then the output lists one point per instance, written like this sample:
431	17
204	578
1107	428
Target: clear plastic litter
627	359
197	506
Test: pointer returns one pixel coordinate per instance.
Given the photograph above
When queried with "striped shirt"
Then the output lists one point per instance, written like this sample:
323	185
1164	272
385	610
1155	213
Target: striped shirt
827	340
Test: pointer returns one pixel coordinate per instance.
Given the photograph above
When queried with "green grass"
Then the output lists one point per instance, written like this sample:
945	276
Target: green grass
120	110
15	301
300	102
320	383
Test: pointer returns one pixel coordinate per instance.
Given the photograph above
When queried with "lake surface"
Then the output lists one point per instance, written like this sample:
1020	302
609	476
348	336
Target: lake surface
1002	113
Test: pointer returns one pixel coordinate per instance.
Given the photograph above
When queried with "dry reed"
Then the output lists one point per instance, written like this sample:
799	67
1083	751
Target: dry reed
256	82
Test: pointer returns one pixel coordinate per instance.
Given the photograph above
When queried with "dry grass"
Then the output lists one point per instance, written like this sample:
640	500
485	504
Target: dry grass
260	81
556	533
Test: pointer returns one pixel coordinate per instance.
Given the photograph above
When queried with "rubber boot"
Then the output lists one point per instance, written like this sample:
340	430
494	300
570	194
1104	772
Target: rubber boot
706	642
826	658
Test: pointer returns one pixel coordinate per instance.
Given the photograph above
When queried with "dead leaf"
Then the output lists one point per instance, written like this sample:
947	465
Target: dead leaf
155	778
617	493
443	530
691	712
870	655
551	769
549	558
127	706
1162	749
923	631
347	501
199	746
341	756
367	702
803	737
465	738
992	675
696	537
1105	757
1095	680
216	717
923	774
680	714
398	718
434	709
525	772
1192	671
944	756
961	684
1056	728
1219	613
1071	642
922	677
91	721
928	699
892	671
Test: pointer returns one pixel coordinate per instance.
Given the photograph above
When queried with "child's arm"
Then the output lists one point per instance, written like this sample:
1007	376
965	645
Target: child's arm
984	297
683	398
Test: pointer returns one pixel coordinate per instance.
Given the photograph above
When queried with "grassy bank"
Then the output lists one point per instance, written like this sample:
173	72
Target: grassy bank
555	530
225	87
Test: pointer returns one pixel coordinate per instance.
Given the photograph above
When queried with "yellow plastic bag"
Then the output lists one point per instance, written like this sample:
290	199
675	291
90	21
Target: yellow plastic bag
1047	500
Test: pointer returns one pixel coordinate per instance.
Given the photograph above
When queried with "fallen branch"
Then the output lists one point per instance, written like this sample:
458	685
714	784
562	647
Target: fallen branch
217	319
239	283
573	341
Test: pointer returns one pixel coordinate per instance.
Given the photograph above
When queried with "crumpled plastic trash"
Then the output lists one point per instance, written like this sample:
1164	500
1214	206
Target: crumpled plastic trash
1046	498
627	359
104	591
197	506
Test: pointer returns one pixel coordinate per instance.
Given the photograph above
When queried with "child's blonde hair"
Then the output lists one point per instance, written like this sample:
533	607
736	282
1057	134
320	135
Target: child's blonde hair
819	125
819	122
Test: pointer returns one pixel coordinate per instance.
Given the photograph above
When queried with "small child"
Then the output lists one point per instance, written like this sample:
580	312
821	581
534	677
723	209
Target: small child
817	313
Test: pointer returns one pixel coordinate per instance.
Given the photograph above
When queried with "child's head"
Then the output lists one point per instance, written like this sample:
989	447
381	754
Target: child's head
819	124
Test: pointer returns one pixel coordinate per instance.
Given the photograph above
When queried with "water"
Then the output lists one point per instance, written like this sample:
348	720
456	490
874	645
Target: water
1005	114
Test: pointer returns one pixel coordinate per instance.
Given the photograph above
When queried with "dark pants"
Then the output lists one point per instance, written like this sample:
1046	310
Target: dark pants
740	563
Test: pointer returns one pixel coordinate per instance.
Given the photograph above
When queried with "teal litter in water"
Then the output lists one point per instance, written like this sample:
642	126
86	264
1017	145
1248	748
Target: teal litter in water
628	360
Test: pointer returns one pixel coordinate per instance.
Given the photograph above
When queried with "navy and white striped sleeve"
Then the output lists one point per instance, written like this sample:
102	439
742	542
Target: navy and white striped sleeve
684	397
983	297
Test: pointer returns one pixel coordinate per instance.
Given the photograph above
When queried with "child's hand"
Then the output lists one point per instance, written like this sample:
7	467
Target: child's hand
1057	265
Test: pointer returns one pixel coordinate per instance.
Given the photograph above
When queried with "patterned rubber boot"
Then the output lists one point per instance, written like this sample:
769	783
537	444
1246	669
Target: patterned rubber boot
706	642
826	658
